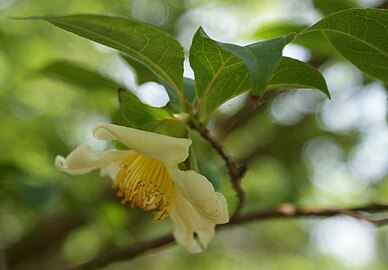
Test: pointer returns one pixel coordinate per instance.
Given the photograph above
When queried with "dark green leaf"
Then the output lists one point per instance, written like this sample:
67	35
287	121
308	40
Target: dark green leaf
260	58
223	71
157	50
79	75
219	74
292	73
189	90
174	104
172	127
314	41
361	36
143	73
138	114
317	44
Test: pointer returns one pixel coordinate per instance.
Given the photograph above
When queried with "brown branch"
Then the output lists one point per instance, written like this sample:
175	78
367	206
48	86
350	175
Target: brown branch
122	254
283	211
235	172
291	211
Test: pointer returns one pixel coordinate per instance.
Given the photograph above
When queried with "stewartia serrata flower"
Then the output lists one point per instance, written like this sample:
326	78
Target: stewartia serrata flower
147	175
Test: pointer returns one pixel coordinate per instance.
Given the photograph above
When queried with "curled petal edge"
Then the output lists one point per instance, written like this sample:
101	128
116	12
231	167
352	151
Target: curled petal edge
190	229
167	149
199	191
82	160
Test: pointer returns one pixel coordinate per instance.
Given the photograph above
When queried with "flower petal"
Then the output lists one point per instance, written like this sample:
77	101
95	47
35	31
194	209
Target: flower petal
83	160
111	169
187	223
199	191
167	149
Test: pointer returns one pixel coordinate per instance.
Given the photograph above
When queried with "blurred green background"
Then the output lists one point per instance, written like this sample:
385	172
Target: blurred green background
300	148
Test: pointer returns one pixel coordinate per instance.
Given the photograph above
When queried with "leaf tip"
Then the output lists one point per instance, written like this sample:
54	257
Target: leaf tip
202	32
328	94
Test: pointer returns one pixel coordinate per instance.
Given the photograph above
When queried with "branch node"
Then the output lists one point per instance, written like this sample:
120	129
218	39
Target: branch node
288	209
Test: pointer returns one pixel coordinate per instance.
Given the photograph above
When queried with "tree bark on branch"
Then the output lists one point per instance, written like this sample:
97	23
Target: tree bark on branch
283	211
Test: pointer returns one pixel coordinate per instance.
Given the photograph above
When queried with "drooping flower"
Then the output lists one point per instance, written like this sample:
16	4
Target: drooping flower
147	175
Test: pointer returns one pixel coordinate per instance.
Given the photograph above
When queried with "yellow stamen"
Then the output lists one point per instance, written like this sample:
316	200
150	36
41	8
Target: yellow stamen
145	182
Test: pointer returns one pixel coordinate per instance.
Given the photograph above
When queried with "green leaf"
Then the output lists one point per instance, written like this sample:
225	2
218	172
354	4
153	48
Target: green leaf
219	74
317	44
172	127
260	58
157	50
292	73
189	90
223	70
77	74
361	36
143	73
188	93
314	41
174	104
138	114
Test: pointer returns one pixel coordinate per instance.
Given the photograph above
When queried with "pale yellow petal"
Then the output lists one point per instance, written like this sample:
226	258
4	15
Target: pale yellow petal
167	149
199	191
111	170
83	160
190	229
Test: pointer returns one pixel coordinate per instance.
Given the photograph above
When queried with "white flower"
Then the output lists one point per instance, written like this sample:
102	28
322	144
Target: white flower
148	176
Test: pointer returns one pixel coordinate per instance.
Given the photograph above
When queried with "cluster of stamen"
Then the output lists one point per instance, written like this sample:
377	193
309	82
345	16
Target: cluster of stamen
145	182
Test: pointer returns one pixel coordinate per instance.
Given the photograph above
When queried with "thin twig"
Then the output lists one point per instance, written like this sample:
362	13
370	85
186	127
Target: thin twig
235	172
283	211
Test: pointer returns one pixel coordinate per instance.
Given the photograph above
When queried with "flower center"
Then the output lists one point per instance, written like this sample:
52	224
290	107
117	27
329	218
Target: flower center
145	182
